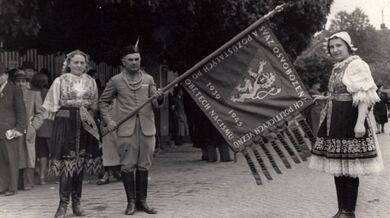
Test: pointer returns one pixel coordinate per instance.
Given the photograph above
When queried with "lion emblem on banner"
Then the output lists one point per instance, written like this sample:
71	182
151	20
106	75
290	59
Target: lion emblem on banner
256	84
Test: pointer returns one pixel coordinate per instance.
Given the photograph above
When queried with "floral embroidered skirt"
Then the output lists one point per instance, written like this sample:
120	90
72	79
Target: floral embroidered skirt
73	150
340	152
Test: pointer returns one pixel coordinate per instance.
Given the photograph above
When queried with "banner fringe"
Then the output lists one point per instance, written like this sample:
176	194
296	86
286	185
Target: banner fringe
261	162
252	167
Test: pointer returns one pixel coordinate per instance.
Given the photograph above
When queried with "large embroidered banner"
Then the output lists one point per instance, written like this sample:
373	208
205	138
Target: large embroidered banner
250	90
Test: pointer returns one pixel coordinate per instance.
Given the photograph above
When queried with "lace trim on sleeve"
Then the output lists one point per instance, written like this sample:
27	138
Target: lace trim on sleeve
360	84
369	97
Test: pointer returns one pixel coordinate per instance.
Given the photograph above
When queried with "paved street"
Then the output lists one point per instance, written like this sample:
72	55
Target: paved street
182	186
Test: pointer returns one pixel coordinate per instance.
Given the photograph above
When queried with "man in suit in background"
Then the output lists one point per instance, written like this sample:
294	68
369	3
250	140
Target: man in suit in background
12	126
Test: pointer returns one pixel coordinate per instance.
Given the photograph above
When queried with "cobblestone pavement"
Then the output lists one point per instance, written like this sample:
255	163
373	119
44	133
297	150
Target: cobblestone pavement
182	186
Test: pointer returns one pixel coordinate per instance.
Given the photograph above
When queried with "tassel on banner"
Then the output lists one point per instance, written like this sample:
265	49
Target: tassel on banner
261	162
305	132
305	126
294	142
252	166
299	138
287	147
289	136
261	143
280	153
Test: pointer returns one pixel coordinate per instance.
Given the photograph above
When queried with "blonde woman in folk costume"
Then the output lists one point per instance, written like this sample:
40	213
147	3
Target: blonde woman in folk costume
71	101
346	145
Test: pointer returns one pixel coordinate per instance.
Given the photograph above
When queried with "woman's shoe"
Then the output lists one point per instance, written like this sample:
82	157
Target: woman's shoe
104	180
42	181
347	214
117	175
337	215
9	193
27	188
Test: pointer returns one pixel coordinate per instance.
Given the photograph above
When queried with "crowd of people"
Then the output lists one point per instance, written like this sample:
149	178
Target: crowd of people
57	127
54	127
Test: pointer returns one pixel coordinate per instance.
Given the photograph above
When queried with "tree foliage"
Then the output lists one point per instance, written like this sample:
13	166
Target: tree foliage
351	22
372	44
177	31
18	21
314	68
361	31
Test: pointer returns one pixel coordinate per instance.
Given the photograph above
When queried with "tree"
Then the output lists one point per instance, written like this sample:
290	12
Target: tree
180	32
372	44
363	34
380	72
18	21
353	22
315	67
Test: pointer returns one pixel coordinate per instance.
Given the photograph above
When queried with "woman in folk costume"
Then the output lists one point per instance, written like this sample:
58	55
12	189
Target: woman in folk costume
346	145
72	101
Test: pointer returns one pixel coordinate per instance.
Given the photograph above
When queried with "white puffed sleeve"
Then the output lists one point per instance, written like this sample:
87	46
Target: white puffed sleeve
52	100
359	82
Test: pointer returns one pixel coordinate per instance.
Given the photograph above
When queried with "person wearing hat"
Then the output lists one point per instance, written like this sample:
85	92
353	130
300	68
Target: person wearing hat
27	157
136	136
346	145
12	126
71	102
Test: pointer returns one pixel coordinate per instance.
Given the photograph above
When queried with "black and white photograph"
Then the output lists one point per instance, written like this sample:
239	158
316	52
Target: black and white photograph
195	108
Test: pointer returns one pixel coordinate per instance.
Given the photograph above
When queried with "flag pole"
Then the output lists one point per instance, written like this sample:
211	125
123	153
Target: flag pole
277	9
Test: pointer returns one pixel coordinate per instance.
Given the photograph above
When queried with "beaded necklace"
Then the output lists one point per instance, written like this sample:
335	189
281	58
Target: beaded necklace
136	84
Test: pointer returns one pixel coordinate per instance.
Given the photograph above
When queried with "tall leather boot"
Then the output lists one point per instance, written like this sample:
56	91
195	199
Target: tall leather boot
65	189
129	184
340	194
142	190
76	194
351	187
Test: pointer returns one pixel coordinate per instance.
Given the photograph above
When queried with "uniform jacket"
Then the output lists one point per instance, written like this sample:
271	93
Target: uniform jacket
128	99
12	110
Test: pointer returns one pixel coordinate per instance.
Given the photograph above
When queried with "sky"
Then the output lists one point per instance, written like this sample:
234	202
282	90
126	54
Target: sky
372	8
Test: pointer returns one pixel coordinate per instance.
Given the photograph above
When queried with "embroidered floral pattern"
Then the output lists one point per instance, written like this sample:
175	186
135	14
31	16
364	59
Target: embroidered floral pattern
76	91
345	148
336	84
